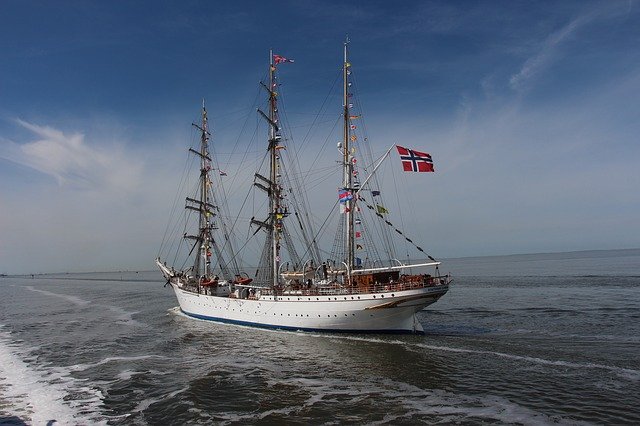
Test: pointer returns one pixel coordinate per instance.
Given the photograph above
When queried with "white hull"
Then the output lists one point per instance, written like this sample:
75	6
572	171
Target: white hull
390	312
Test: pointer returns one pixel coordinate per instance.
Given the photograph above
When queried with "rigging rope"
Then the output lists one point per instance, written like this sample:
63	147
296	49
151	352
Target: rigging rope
369	206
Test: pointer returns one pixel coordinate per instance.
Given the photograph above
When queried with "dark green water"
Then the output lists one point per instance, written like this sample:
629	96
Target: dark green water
535	339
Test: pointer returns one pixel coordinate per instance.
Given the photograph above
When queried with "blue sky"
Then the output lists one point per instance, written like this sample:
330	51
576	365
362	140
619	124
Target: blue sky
530	109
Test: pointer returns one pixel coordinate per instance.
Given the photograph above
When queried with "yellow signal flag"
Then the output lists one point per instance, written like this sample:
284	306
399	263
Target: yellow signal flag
381	209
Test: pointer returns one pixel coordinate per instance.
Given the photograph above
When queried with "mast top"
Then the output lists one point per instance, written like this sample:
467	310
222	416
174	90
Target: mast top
346	42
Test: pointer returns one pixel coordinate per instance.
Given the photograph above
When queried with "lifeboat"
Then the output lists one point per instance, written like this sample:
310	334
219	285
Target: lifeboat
207	283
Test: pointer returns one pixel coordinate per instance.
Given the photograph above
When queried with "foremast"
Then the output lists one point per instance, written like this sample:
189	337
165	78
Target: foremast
204	239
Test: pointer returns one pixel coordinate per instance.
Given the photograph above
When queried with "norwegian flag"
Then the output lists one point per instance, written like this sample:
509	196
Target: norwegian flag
415	161
277	59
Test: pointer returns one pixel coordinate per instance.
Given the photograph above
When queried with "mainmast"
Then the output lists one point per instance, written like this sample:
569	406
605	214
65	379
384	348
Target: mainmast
347	168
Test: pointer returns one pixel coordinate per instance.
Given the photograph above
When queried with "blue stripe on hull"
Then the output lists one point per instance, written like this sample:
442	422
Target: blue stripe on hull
282	327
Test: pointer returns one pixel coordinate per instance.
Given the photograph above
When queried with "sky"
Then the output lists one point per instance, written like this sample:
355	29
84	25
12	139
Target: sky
531	111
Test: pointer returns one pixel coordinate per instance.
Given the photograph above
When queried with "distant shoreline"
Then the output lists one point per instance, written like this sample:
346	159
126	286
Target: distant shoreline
574	254
560	255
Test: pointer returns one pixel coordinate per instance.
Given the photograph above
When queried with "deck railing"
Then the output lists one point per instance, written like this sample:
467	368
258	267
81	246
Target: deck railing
407	283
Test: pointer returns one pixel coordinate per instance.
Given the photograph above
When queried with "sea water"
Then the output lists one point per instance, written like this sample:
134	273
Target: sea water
527	339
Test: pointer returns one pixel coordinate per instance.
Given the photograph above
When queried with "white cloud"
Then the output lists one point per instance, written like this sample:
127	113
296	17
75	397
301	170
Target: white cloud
550	49
546	53
92	212
72	161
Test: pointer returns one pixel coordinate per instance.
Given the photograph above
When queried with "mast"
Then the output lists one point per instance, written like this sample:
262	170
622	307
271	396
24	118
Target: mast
347	168
202	204
274	195
270	260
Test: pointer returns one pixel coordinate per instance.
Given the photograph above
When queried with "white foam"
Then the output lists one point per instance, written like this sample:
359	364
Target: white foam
123	316
626	373
175	311
127	375
73	299
402	403
146	403
82	367
36	393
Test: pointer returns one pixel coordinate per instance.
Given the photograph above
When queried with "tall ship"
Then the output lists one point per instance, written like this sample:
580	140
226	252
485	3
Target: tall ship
357	286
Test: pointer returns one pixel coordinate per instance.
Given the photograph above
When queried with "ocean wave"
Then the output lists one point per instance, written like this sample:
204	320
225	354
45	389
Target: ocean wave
42	395
73	299
395	402
107	360
123	316
625	373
